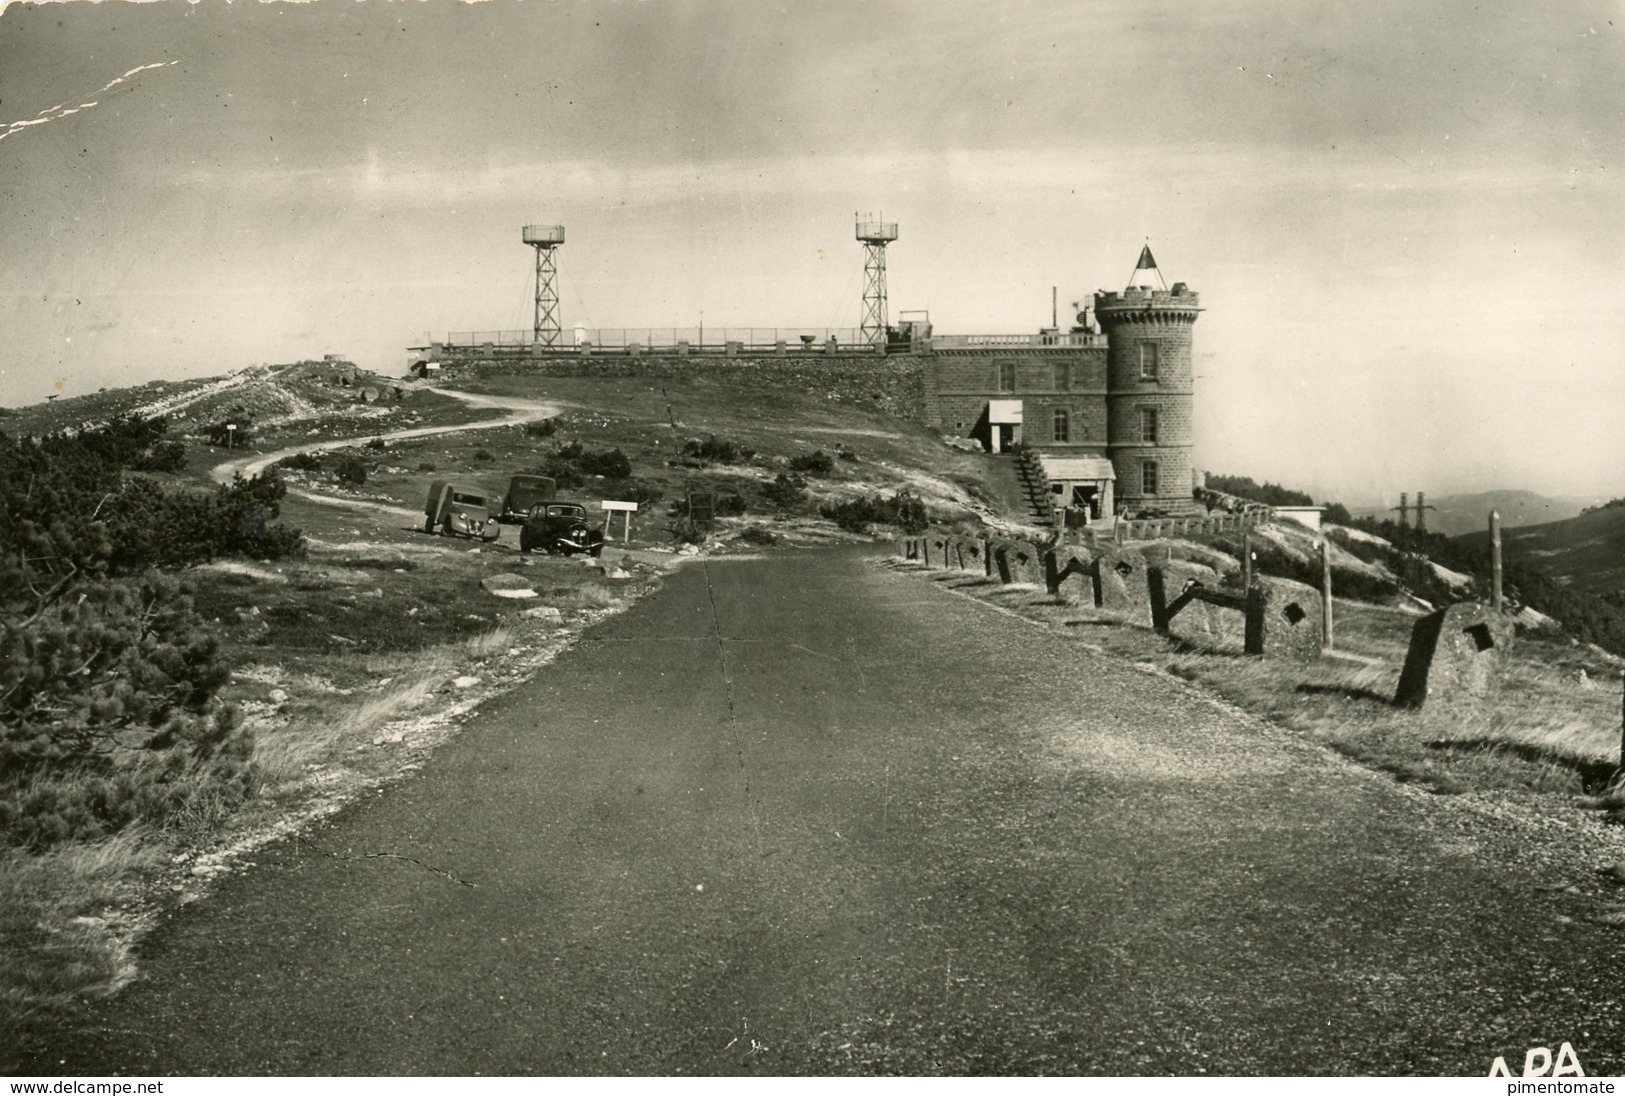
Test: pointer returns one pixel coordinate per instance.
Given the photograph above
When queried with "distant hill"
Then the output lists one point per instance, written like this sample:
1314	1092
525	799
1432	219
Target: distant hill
1585	553
1454	515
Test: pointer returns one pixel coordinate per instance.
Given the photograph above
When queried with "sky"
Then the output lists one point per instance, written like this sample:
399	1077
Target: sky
1406	218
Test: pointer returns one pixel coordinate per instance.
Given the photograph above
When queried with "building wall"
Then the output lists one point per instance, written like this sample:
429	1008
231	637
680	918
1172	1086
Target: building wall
957	385
1138	324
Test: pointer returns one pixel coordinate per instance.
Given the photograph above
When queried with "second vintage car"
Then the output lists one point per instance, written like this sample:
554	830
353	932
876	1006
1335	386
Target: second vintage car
560	528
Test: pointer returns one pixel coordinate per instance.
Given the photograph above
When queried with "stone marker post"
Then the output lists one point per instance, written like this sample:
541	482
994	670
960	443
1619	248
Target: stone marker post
1495	560
1326	592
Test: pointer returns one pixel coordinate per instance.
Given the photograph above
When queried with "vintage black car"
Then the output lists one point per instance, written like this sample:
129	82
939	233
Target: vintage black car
561	528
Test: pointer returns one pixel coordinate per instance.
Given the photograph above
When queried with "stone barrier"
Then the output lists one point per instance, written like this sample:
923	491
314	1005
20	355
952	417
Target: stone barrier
1119	581
1283	619
1067	574
1190	594
1457	653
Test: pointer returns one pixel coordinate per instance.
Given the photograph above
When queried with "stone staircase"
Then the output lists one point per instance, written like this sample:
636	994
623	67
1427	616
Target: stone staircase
1035	487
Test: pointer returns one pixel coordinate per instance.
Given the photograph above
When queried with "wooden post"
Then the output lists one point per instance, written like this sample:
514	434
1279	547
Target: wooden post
1326	593
1246	559
1495	560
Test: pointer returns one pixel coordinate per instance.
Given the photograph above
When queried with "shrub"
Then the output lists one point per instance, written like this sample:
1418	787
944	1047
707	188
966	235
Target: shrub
351	470
377	443
164	456
730	505
718	450
109	715
301	462
645	494
786	490
755	534
220	433
544	428
903	510
483	454
425	466
816	463
846	454
609	463
688	532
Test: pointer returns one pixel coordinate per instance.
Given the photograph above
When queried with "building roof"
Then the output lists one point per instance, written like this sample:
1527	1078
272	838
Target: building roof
1146	275
1077	468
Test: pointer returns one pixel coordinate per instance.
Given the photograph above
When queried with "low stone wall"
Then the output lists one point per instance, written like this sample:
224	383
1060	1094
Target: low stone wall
892	383
1457	653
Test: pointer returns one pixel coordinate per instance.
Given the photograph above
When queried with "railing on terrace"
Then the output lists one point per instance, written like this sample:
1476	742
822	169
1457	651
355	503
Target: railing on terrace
669	338
1041	339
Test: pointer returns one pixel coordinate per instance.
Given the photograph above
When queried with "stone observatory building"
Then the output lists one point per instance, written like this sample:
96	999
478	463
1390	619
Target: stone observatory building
1106	405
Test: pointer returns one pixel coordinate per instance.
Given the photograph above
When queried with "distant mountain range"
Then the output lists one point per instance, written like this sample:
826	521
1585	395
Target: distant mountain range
1454	515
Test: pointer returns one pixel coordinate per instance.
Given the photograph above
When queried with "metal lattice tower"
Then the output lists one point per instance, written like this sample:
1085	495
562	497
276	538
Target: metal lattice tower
875	235
544	238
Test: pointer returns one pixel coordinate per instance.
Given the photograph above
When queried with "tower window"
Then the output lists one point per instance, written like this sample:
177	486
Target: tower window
1148	425
1007	376
1148	478
1063	378
1148	361
1062	426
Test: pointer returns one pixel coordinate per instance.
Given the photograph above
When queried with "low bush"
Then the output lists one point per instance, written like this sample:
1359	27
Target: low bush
786	491
903	510
731	504
484	454
377	443
612	464
816	463
301	462
350	470
164	456
717	450
755	534
544	428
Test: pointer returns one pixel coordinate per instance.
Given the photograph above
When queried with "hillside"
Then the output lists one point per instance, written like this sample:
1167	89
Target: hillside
1585	553
1454	515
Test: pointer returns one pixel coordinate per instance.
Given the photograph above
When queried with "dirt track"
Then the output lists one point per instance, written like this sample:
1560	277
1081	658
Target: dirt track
803	815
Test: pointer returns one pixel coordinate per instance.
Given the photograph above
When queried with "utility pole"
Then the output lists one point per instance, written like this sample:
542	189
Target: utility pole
1326	592
1421	512
1495	560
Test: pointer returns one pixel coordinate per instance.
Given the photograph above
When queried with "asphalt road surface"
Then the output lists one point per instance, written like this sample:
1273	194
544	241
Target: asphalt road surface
806	815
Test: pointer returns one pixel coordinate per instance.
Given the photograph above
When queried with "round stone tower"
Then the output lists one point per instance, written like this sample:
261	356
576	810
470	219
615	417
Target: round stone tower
1148	390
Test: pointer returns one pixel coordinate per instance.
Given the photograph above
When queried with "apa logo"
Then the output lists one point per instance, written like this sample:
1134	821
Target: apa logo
1538	1063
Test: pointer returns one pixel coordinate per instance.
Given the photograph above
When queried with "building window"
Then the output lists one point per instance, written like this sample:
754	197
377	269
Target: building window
1148	361
1148	425
1148	478
1063	426
1007	376
1063	378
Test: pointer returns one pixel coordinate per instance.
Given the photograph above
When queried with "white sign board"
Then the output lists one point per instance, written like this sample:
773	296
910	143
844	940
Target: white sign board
608	505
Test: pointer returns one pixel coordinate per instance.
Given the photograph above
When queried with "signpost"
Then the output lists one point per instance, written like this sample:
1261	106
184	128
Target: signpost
627	508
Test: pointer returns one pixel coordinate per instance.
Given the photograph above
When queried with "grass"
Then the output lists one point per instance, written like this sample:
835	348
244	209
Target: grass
59	915
1545	733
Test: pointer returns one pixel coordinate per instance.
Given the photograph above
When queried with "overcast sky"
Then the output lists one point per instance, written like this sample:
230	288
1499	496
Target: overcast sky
1406	218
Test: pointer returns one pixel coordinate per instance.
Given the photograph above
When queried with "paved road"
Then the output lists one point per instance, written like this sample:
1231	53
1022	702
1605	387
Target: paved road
809	816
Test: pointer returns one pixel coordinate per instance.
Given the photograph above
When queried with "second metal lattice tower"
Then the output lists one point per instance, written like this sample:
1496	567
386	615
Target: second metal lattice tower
544	238
875	235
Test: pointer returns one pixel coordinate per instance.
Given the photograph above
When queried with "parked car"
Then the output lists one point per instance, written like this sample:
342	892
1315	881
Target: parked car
524	492
456	509
561	528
